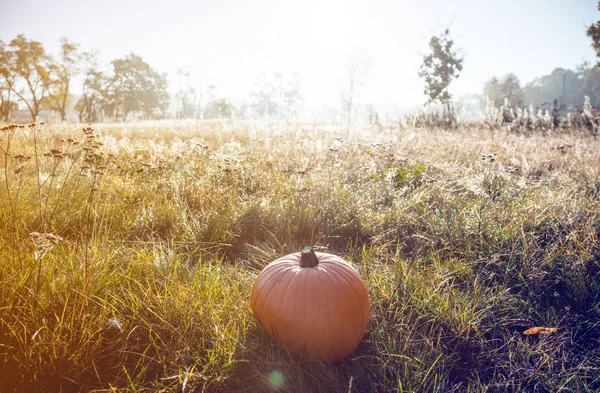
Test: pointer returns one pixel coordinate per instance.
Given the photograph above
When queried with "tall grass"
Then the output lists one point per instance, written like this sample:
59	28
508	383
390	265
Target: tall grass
127	254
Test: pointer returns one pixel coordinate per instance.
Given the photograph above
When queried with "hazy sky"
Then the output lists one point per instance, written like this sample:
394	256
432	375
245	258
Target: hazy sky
229	42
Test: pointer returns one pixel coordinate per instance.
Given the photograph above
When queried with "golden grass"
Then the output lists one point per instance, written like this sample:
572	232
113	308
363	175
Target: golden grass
127	254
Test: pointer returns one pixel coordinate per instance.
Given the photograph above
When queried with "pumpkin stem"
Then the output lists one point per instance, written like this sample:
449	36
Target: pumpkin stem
308	258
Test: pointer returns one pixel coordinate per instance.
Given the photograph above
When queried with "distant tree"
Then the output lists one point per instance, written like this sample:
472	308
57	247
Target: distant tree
7	82
93	89
219	109
491	90
562	85
134	87
439	68
188	96
210	97
276	96
65	69
508	87
242	109
32	68
290	95
591	85
594	33
471	103
264	97
356	69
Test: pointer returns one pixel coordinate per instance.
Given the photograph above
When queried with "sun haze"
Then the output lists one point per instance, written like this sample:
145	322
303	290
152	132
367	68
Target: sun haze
230	43
322	196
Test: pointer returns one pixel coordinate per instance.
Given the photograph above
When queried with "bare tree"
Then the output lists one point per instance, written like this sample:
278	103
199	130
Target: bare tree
188	95
210	97
263	100
93	86
356	70
291	95
64	69
276	95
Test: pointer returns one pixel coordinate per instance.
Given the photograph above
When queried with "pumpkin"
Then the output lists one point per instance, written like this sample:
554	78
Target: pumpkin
313	303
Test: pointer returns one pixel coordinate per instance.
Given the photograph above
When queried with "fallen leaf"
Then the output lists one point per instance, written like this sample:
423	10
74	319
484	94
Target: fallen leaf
540	330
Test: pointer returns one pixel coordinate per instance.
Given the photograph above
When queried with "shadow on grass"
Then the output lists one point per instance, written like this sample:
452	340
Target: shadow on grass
263	365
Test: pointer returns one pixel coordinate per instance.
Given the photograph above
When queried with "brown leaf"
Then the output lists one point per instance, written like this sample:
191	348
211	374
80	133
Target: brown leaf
540	330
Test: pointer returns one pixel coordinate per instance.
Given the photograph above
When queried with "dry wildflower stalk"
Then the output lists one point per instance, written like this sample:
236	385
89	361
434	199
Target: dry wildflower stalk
9	131
55	153
43	242
20	160
11	127
95	166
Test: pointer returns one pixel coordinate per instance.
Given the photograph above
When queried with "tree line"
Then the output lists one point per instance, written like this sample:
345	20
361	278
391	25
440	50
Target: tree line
33	78
563	89
30	76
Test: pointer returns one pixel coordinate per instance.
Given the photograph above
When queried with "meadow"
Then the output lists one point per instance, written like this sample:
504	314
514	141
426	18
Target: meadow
128	251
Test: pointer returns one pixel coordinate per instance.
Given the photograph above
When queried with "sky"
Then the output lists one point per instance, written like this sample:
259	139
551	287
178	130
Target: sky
228	43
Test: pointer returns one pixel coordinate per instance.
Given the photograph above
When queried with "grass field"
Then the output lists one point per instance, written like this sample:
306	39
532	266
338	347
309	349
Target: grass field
128	251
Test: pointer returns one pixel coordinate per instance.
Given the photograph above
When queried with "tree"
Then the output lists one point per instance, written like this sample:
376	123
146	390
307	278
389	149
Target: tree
594	33
508	87
219	109
210	97
64	69
188	96
562	85
491	91
591	85
135	87
290	95
32	67
93	89
439	68
276	96
264	97
7	82
356	69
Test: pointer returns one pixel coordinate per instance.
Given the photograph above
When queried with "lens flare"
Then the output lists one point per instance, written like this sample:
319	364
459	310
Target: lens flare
276	379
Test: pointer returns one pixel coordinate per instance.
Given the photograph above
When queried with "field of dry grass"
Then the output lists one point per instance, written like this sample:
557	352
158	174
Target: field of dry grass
127	254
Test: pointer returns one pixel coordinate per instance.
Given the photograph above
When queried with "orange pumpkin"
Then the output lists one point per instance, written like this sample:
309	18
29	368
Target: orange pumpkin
313	303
